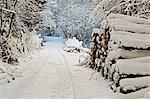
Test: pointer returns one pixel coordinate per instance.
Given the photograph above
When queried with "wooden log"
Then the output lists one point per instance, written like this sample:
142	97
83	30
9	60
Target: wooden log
122	25
131	19
134	66
128	39
127	54
133	84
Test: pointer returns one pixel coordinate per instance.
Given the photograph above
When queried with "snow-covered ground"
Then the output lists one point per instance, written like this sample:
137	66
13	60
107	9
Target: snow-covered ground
52	73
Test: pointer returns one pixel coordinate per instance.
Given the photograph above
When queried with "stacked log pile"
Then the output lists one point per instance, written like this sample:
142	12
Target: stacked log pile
121	52
97	53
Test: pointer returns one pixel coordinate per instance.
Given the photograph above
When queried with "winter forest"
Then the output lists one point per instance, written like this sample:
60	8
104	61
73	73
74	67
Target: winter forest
74	49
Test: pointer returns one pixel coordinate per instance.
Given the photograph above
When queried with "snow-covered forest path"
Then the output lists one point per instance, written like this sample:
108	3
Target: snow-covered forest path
53	74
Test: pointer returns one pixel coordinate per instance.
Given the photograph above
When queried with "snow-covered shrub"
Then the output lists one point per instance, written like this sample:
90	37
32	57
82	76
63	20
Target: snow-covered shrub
73	45
74	42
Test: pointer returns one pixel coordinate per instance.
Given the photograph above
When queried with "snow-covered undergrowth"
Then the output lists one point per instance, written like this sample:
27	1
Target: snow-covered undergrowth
9	73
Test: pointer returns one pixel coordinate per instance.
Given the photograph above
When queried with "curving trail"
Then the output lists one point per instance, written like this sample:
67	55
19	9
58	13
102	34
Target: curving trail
52	74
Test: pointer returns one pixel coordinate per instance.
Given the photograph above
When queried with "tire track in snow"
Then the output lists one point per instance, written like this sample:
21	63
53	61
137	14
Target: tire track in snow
64	89
44	81
29	80
69	73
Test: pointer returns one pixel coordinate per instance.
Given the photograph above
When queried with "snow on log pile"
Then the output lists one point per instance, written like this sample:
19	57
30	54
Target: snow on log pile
121	52
146	95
